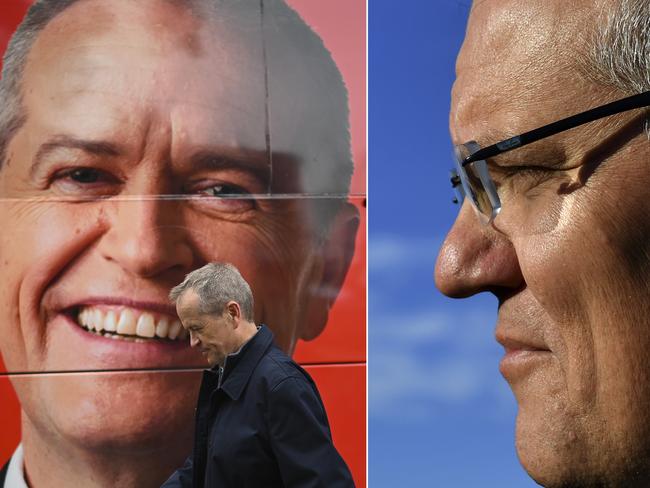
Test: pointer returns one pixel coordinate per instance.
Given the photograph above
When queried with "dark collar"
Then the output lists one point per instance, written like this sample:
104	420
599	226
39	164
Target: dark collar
239	367
3	473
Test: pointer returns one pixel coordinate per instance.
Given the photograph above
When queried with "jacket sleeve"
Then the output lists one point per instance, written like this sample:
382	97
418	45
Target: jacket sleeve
301	440
182	478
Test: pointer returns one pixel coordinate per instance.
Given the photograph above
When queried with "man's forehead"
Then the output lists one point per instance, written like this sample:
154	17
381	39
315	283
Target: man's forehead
188	301
181	21
518	57
144	62
155	27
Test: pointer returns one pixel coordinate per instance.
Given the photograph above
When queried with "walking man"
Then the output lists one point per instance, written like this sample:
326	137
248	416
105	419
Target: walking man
260	420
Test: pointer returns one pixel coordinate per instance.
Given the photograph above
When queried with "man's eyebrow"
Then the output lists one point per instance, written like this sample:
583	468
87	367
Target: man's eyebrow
541	152
254	162
96	148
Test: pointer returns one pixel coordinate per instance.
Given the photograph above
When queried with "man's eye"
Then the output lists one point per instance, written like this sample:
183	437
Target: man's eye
85	175
523	179
85	181
223	191
225	198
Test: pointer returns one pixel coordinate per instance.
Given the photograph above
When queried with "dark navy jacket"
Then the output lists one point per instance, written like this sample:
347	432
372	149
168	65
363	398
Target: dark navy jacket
262	425
3	474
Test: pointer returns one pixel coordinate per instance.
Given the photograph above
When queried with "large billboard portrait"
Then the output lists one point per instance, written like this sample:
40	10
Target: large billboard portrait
140	140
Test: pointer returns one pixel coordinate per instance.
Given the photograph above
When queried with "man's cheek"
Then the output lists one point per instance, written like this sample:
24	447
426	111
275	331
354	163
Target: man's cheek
15	251
36	226
42	239
274	263
266	243
547	267
12	345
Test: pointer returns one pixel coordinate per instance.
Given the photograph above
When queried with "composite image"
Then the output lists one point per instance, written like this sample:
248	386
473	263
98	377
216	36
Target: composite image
324	243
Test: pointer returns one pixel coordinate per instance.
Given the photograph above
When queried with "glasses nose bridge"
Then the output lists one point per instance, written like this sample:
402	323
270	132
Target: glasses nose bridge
457	186
476	182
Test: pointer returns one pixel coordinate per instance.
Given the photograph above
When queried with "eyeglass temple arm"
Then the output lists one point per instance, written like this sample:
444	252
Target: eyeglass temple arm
629	103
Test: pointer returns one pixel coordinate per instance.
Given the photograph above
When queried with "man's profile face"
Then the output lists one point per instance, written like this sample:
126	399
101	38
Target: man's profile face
213	334
570	273
127	101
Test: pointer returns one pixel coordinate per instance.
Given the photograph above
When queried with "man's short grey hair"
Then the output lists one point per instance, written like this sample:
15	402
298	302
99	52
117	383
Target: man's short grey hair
299	52
620	52
216	284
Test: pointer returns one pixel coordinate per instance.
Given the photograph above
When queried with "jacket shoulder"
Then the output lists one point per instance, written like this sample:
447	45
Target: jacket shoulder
275	367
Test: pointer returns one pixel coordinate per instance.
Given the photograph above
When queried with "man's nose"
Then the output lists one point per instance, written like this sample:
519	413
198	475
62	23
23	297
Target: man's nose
194	341
146	236
476	258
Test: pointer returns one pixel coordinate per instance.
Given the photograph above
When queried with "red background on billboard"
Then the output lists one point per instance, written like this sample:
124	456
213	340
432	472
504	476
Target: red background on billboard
337	359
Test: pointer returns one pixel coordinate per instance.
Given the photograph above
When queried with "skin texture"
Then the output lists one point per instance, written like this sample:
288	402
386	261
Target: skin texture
567	258
216	335
116	73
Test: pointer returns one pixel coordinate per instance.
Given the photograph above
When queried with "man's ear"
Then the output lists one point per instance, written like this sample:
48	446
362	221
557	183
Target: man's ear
329	269
233	311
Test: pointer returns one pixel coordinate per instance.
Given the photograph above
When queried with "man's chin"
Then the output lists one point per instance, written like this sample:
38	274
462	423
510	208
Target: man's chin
104	393
214	359
540	459
137	411
550	441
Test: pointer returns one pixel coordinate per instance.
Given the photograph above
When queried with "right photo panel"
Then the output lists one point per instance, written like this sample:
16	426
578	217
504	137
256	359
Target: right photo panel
508	243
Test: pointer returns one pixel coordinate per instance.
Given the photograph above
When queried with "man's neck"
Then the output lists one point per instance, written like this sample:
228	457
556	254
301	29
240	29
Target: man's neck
248	331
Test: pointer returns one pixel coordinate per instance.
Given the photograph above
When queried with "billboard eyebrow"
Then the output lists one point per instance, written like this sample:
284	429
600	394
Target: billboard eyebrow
97	148
256	164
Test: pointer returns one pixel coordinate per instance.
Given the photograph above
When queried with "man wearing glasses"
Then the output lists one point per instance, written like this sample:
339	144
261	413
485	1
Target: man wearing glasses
555	224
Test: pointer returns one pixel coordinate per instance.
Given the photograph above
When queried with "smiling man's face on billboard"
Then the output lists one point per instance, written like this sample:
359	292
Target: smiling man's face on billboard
143	151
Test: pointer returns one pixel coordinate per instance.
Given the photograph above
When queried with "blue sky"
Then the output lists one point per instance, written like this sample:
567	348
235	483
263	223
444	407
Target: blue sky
440	415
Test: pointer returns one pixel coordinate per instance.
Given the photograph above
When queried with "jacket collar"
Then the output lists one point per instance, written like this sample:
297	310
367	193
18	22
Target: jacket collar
239	367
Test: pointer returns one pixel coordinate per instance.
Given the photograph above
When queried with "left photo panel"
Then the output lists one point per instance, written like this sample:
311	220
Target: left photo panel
139	141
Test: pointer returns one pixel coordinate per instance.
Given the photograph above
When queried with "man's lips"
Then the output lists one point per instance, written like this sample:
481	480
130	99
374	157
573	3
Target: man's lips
130	323
521	354
511	345
127	320
72	345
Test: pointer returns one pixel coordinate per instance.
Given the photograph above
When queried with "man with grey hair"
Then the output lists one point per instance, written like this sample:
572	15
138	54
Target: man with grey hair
213	287
142	139
259	420
550	116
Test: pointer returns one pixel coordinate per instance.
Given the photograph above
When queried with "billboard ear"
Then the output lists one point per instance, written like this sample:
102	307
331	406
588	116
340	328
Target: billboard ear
330	267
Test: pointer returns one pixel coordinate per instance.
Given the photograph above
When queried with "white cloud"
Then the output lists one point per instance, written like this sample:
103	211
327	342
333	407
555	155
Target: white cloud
411	328
427	354
395	252
432	360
